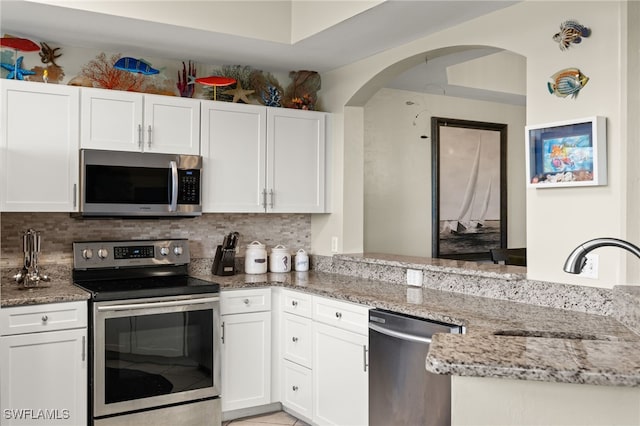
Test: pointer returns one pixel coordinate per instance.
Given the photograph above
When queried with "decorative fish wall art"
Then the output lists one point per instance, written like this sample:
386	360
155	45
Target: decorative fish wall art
567	82
571	32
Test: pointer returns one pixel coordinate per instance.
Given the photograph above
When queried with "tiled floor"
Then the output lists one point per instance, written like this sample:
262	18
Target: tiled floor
278	418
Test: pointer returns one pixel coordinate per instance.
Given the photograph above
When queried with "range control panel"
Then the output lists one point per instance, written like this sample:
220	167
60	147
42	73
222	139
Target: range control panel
115	254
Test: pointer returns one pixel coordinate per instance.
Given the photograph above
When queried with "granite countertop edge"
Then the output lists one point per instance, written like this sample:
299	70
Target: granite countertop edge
459	267
552	360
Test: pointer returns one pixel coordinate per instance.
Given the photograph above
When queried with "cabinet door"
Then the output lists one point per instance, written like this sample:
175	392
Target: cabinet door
39	147
234	157
44	377
171	125
246	360
295	161
340	378
111	120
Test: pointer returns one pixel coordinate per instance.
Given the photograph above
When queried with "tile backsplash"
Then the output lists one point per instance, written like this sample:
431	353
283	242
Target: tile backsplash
204	233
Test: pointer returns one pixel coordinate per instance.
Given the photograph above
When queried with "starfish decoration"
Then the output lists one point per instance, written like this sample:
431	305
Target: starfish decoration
16	71
239	93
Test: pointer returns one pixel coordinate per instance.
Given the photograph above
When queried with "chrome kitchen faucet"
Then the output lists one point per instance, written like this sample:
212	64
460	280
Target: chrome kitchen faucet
578	257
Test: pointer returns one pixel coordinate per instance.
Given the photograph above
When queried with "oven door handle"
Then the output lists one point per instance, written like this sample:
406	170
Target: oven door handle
174	186
150	305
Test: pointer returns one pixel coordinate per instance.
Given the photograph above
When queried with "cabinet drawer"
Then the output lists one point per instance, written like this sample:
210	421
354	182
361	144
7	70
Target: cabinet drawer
297	303
297	339
298	392
345	315
242	301
46	317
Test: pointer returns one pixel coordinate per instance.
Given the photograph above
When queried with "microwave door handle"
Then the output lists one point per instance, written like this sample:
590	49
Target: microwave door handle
174	186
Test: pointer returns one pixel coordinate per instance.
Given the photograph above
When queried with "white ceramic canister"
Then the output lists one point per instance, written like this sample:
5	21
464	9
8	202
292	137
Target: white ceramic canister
280	259
302	261
255	258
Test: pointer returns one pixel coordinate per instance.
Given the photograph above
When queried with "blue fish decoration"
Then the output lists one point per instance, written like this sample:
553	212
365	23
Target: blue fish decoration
135	65
567	82
571	32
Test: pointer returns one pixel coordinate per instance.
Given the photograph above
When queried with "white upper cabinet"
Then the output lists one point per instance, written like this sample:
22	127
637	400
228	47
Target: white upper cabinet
126	121
39	147
295	161
233	157
260	159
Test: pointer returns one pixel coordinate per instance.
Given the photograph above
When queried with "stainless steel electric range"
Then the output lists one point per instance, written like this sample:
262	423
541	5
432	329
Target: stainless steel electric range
154	334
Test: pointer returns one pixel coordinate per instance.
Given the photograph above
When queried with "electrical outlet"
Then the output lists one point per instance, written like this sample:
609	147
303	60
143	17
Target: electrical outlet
590	269
414	277
334	244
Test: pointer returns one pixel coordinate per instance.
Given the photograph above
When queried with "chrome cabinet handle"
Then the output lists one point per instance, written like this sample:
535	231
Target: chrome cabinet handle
295	339
84	352
149	141
295	388
140	142
271	197
264	198
45	318
364	353
75	195
294	303
338	315
222	334
246	302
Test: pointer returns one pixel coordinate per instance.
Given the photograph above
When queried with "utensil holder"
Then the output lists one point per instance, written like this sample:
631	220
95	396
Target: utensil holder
223	262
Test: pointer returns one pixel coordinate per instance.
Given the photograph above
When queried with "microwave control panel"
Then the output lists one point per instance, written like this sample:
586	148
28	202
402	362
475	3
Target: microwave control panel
188	186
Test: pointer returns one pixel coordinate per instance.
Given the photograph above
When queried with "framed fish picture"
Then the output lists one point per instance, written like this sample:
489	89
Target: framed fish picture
567	153
469	192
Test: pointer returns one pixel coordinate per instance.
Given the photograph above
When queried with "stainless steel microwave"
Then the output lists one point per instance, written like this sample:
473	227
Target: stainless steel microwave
118	183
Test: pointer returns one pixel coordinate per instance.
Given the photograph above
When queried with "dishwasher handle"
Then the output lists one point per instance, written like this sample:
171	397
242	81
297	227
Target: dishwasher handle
399	334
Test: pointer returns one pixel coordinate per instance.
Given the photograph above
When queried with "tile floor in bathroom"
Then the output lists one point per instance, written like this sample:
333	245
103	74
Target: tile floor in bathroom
279	418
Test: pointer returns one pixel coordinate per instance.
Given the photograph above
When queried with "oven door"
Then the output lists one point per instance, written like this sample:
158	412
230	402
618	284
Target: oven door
153	352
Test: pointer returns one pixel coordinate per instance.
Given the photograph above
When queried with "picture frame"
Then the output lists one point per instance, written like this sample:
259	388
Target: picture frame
469	188
567	153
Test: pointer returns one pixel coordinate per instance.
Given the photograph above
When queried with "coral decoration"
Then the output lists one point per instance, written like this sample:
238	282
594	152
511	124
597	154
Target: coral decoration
271	97
186	82
102	73
268	87
304	102
54	74
302	92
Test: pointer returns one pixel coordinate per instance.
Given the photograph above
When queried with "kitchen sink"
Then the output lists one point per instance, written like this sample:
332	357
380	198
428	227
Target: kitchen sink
553	334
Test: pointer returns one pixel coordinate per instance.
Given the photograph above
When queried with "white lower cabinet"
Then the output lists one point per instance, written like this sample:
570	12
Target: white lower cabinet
325	359
43	375
246	348
340	377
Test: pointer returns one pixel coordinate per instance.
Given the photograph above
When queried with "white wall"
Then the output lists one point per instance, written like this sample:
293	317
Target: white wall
397	167
557	219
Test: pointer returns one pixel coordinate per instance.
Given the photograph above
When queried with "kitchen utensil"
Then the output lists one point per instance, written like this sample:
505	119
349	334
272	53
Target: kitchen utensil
280	259
255	258
29	275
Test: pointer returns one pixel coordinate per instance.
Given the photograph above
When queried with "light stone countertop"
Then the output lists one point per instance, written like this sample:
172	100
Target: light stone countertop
595	349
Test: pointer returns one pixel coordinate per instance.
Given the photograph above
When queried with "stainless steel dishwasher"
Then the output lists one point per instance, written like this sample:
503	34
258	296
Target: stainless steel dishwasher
401	390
